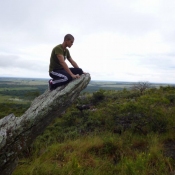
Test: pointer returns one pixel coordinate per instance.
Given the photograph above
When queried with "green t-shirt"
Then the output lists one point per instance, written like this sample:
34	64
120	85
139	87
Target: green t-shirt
54	61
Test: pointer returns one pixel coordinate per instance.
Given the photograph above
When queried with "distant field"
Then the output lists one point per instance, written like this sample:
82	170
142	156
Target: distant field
16	88
10	99
113	85
20	90
23	81
33	84
17	93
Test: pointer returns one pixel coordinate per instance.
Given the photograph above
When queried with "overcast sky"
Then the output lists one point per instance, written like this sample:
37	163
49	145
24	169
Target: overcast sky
119	40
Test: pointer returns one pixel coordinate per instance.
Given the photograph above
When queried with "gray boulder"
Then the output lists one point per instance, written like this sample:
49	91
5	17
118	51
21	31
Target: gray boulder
17	133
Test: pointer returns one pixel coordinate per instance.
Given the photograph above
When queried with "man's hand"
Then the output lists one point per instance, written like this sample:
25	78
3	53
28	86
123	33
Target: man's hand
75	76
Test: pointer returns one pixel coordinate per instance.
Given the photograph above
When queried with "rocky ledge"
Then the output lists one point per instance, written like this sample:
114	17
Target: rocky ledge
17	133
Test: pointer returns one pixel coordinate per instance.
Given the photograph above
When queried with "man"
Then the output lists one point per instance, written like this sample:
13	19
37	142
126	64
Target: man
58	69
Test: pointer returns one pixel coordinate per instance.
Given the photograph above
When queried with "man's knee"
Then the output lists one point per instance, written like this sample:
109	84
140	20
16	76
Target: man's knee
77	71
81	71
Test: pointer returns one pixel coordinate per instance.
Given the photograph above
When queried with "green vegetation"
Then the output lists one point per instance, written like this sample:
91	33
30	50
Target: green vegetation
16	94
124	132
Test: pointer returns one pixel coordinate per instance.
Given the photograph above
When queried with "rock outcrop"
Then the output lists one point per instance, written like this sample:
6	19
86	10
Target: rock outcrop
16	133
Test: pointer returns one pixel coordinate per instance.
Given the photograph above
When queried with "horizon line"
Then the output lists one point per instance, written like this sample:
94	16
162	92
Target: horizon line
94	80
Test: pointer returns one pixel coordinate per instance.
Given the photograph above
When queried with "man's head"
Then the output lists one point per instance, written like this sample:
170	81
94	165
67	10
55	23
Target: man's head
68	40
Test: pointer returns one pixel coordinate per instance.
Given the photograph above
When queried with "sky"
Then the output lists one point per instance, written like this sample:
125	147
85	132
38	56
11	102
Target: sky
115	40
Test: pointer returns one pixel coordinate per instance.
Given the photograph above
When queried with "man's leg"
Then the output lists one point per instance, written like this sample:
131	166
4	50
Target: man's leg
76	71
60	77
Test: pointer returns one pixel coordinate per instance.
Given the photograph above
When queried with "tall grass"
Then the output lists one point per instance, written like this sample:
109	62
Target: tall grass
103	154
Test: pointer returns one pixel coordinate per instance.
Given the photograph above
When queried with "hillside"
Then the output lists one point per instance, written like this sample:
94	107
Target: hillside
122	132
16	94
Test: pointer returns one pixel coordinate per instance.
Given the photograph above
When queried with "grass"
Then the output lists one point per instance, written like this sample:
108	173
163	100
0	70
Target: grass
11	99
127	133
100	154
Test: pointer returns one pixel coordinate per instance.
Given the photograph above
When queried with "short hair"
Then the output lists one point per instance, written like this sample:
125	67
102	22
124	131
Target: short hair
68	37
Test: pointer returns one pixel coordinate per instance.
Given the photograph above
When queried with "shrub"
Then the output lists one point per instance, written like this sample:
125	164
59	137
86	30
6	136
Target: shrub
98	96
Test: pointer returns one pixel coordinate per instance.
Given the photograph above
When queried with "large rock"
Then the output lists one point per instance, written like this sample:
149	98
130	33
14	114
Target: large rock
16	133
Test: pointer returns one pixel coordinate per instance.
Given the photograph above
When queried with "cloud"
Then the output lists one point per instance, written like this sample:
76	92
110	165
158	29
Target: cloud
114	40
13	61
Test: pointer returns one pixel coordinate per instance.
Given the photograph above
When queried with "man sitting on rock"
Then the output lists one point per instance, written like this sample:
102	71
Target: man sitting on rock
58	69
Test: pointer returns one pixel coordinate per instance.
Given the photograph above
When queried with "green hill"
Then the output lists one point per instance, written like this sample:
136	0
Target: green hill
124	132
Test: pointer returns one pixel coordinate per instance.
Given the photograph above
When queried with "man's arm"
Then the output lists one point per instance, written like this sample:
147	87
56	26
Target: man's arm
74	64
66	68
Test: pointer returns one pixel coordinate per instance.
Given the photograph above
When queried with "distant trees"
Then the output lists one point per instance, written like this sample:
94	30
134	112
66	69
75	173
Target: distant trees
15	108
32	94
141	86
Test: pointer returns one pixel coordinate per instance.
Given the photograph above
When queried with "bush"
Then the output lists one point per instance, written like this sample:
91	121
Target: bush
98	96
